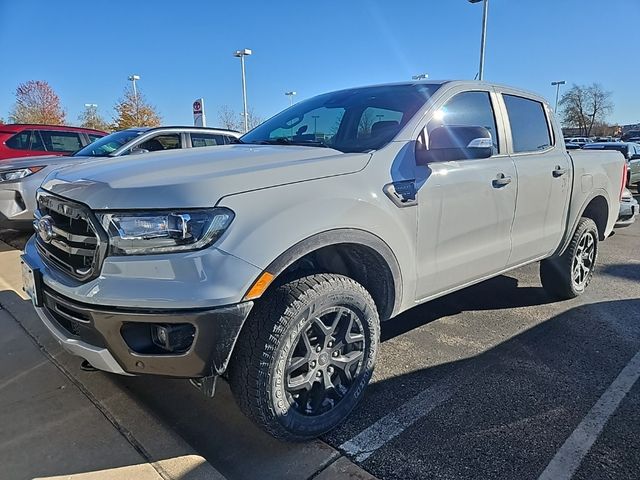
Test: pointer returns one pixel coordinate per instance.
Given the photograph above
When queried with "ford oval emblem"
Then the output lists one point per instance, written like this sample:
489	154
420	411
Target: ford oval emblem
45	228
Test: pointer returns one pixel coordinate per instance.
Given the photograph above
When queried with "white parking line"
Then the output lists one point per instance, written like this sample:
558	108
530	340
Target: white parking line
567	460
393	424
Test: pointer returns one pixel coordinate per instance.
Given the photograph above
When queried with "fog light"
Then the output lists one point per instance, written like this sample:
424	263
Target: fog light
176	338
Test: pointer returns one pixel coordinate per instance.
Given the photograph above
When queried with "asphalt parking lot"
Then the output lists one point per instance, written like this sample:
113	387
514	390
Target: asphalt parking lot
496	381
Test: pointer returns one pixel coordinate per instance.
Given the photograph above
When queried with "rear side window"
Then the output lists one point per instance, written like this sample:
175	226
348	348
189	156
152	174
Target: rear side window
472	109
55	141
529	127
207	140
26	140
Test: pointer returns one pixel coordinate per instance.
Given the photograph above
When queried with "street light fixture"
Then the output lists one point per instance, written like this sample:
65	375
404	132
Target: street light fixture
133	79
420	76
290	95
241	54
483	41
557	85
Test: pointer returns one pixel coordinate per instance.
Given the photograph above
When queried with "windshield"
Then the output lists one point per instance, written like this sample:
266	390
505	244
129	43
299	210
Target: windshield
107	145
355	120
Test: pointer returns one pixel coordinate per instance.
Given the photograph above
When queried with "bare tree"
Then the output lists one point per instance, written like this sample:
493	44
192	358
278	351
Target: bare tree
254	119
585	106
134	111
36	102
229	118
90	118
366	122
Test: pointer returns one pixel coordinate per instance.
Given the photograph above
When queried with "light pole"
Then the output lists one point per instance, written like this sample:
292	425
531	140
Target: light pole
133	79
420	76
315	124
557	85
241	54
483	41
290	95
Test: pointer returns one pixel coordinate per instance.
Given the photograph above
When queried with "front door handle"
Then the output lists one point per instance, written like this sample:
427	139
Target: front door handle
501	180
559	171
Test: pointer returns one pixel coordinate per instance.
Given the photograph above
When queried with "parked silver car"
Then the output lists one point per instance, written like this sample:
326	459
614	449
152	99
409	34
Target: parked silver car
20	178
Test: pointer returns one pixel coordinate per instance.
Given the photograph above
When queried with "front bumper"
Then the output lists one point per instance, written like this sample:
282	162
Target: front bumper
628	213
102	336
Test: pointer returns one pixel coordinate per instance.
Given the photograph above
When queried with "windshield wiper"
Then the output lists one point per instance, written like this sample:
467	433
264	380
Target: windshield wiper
287	141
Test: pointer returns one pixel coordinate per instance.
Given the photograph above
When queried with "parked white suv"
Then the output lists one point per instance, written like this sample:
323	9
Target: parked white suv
273	261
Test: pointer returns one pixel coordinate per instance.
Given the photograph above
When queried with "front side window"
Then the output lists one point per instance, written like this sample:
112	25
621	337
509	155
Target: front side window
108	144
206	140
56	141
20	141
347	120
26	140
529	126
169	141
470	109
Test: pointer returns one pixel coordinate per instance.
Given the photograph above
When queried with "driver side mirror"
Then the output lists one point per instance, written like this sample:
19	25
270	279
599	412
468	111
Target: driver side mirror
455	142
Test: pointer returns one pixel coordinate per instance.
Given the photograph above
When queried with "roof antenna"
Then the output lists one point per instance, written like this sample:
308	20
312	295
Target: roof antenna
476	77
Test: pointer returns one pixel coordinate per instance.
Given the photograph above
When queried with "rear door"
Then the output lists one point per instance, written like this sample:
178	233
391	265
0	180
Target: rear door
466	207
544	178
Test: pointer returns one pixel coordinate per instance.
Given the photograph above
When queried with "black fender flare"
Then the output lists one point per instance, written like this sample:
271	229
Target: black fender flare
344	236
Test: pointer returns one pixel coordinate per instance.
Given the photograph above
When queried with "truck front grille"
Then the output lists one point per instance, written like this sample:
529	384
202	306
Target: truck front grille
67	236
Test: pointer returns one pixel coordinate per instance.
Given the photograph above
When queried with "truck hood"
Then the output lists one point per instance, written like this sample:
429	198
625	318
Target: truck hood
197	177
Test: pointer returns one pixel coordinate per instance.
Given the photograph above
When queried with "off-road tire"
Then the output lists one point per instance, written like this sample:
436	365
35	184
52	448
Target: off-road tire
556	272
257	369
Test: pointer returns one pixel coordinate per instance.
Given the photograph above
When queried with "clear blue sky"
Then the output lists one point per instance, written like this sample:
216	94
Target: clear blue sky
183	49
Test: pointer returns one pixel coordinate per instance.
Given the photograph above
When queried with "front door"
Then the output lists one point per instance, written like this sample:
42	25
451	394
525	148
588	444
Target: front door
466	207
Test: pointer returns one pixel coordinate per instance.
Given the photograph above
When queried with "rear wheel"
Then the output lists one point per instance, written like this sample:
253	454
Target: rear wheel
569	274
305	356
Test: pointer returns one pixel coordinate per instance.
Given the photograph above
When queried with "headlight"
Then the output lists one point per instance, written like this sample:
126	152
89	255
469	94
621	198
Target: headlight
9	175
161	232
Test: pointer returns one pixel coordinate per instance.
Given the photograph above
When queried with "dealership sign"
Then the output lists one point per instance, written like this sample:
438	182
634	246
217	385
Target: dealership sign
199	119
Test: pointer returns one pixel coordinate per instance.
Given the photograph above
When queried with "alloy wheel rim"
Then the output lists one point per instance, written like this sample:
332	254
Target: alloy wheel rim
325	361
583	260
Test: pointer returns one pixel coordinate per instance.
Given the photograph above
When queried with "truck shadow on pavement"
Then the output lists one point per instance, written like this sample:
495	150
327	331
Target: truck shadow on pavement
628	271
498	293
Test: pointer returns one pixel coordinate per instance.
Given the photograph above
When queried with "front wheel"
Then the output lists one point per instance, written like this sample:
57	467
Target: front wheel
305	356
569	274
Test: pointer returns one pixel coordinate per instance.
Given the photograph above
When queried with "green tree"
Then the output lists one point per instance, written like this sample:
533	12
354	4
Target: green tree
134	111
90	118
36	102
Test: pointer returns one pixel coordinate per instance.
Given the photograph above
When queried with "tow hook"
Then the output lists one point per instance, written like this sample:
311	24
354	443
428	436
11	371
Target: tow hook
85	366
207	385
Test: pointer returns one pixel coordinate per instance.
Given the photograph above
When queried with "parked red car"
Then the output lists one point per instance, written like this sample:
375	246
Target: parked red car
22	140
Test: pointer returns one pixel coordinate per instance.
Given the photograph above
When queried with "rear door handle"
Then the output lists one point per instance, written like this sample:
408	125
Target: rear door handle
559	171
501	180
